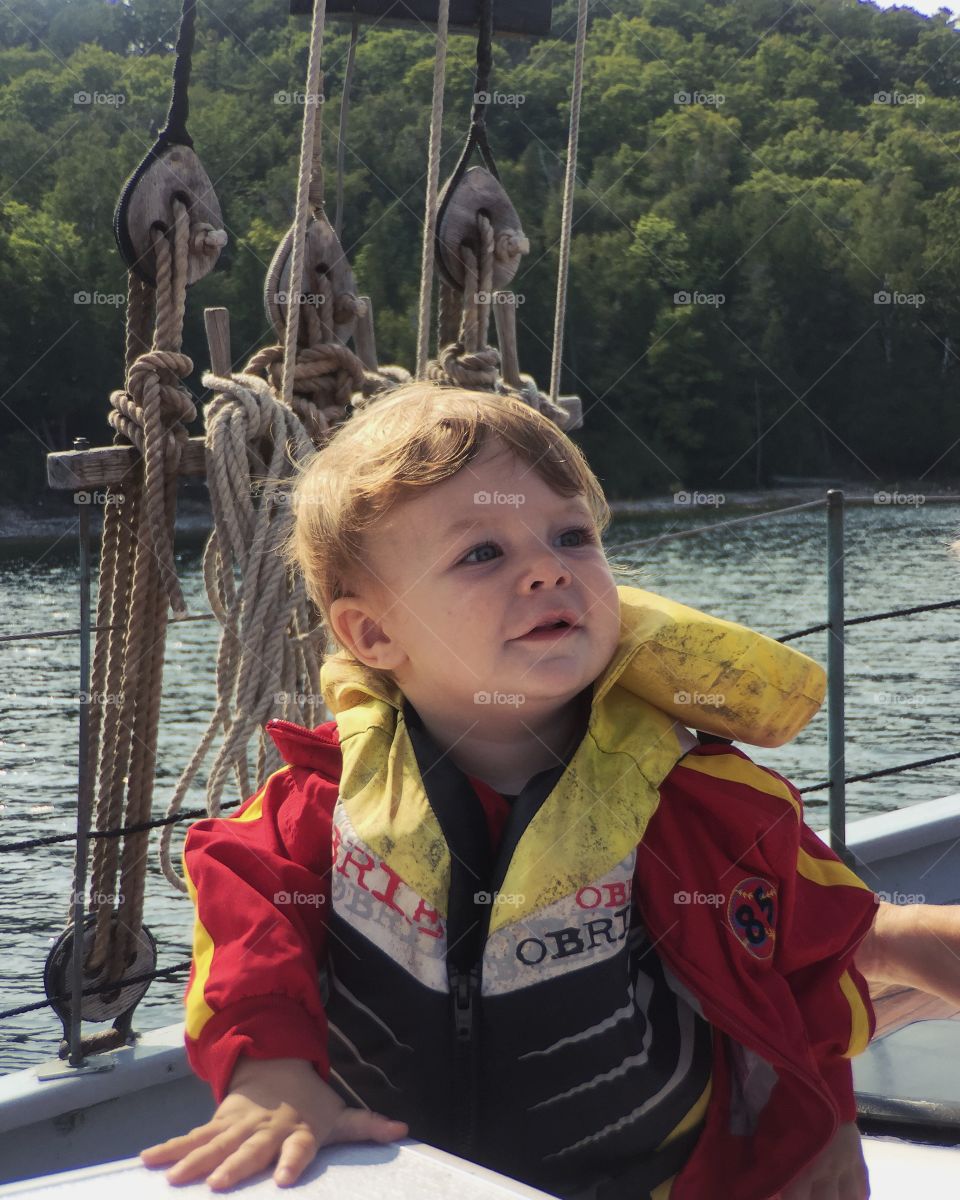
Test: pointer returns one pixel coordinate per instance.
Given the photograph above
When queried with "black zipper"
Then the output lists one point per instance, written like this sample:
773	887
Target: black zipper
465	994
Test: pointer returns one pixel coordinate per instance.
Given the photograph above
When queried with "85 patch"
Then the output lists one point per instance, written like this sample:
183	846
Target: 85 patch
752	915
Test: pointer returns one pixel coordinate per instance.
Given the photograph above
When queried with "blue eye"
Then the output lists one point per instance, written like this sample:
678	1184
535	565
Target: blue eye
585	532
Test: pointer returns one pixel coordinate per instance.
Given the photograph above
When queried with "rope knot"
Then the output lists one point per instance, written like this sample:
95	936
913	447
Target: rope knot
325	377
469	369
154	398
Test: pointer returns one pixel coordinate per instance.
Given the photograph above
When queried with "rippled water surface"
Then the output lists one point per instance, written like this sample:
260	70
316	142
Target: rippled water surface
903	684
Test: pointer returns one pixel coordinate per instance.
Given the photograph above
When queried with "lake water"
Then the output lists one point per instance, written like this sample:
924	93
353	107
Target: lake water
903	684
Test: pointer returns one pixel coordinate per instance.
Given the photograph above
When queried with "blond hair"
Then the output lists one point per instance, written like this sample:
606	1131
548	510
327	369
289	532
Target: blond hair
417	436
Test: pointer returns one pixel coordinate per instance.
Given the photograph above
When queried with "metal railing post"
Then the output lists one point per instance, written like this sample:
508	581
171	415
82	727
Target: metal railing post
76	1058
835	676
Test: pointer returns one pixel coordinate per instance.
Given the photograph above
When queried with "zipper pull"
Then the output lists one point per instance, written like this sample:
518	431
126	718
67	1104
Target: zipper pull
463	986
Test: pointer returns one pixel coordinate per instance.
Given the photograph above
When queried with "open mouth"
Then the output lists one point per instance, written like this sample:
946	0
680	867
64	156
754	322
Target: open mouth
551	630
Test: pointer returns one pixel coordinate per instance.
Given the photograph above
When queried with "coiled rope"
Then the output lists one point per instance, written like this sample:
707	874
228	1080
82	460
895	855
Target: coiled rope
268	661
138	582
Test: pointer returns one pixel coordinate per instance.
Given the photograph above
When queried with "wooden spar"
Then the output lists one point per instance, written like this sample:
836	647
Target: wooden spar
216	321
364	339
505	315
78	470
525	18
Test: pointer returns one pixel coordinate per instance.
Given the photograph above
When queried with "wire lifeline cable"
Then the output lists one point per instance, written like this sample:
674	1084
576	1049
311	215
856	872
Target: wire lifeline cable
568	194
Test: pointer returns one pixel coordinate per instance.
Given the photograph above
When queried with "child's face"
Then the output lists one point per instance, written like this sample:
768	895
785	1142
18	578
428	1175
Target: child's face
463	572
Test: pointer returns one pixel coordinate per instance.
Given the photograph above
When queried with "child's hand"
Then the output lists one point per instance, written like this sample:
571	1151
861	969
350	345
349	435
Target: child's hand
837	1173
275	1108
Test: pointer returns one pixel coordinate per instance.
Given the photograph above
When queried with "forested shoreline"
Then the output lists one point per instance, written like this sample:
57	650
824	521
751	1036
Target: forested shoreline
765	272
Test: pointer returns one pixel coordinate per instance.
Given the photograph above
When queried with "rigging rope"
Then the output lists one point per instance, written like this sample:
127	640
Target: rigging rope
432	198
342	130
568	196
310	174
262	423
137	580
268	657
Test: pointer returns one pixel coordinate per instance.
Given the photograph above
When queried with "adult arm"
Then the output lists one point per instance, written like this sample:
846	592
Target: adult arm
916	945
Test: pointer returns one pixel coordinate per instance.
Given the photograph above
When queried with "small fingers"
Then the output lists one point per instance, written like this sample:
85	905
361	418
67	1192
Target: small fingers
258	1151
298	1151
176	1147
207	1157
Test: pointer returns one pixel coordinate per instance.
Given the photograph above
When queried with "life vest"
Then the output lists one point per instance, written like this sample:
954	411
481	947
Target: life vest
491	1002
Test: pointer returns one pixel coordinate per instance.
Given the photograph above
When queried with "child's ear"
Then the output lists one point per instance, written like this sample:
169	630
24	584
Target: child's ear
358	627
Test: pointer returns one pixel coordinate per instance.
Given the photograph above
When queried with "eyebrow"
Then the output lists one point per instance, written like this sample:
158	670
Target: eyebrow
570	510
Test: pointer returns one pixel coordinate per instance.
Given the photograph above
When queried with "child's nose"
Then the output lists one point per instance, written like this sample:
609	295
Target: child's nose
546	569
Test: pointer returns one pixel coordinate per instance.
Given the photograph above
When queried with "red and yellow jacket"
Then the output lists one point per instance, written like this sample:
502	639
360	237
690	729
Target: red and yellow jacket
346	888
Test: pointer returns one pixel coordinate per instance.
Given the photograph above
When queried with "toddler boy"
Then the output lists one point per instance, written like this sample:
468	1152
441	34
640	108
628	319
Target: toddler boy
501	901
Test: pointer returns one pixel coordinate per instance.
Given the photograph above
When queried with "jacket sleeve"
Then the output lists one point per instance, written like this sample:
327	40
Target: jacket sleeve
260	884
826	911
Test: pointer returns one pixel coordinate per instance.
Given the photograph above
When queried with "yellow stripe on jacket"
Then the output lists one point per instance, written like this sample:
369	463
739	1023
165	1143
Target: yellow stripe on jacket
734	769
198	1011
859	1018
